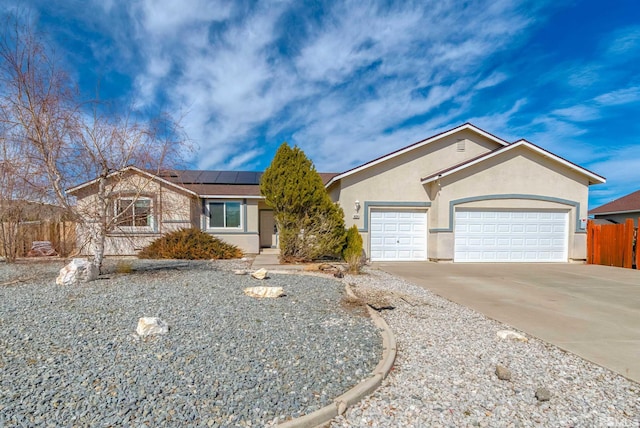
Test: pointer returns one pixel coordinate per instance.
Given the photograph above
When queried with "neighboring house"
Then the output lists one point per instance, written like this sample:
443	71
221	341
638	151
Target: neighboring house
619	210
463	195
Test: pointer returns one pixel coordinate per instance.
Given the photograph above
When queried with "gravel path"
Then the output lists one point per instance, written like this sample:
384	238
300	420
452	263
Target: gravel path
444	374
68	355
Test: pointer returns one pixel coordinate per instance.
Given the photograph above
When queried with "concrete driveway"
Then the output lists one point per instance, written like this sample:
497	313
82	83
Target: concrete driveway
592	311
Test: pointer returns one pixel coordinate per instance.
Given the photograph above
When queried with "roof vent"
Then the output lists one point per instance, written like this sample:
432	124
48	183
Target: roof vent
461	145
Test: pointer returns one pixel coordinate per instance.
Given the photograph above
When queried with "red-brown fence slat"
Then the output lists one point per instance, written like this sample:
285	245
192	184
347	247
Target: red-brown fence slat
612	244
590	242
629	229
638	245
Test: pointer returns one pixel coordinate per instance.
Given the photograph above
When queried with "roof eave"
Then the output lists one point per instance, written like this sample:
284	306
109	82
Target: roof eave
637	210
417	145
593	178
72	190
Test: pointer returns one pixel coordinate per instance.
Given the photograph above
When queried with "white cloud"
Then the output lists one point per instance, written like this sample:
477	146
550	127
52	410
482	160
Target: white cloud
619	164
360	79
166	18
619	97
625	42
493	79
578	113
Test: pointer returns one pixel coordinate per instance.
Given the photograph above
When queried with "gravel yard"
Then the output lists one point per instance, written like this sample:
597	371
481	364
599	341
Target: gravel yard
69	355
444	374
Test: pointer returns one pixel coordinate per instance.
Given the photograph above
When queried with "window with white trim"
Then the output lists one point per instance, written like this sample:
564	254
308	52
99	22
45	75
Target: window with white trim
225	215
134	212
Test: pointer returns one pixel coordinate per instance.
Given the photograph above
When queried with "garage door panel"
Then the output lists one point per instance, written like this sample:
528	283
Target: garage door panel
501	235
419	228
504	228
398	235
391	227
404	240
389	241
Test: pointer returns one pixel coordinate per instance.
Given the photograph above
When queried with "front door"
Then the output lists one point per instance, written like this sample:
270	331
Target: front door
268	230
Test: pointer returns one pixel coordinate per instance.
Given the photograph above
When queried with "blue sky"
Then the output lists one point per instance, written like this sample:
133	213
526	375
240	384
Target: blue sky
350	81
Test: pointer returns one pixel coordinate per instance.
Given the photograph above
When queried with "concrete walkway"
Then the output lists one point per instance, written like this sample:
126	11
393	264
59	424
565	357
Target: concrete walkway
592	311
269	259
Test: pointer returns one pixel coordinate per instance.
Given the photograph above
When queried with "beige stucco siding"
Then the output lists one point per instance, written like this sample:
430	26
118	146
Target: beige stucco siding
172	209
398	179
246	237
517	179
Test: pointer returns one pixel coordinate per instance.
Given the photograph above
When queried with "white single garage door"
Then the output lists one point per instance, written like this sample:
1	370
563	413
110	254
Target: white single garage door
511	236
398	235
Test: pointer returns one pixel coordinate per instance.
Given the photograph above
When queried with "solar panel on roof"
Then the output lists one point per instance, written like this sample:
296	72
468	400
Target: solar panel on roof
246	177
227	177
214	177
208	177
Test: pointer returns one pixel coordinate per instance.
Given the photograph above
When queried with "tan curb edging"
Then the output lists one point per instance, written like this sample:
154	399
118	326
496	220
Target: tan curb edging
321	416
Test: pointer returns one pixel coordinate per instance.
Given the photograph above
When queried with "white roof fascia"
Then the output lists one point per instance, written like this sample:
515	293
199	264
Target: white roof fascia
133	168
594	177
415	146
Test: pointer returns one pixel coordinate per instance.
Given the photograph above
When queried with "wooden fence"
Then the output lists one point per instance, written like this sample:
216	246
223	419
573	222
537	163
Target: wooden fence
62	235
613	244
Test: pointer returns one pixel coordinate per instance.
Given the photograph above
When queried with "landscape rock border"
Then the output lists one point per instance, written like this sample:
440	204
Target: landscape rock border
366	387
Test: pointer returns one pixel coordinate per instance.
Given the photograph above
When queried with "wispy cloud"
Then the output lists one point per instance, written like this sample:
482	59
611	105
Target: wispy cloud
619	97
625	41
351	80
365	77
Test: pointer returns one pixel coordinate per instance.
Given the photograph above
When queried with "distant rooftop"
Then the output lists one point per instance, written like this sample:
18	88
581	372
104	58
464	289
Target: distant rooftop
628	203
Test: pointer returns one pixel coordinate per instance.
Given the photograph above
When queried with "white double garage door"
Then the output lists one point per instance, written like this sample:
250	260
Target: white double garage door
479	236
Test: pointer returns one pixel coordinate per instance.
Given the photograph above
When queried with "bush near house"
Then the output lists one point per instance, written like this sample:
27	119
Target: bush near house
311	226
352	252
189	244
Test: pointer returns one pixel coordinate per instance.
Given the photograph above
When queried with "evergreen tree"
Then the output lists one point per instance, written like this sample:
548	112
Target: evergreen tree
310	224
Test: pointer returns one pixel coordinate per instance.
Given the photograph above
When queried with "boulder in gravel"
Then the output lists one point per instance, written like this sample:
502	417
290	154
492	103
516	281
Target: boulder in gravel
543	394
511	335
261	292
151	326
78	270
503	373
240	272
260	274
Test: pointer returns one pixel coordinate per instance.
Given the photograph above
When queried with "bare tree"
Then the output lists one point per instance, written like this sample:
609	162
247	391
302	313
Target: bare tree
65	141
18	193
110	143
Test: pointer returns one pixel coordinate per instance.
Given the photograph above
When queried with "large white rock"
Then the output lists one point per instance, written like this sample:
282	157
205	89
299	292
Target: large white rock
260	274
78	270
511	335
151	326
264	291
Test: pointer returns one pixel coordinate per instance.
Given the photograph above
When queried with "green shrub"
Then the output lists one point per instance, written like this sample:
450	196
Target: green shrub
352	252
190	244
311	226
